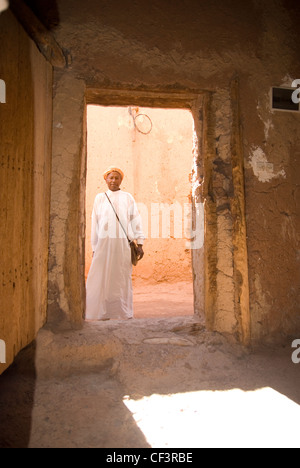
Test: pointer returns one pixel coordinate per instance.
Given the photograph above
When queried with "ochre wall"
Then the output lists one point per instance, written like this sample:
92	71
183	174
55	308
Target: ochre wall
157	169
175	47
25	151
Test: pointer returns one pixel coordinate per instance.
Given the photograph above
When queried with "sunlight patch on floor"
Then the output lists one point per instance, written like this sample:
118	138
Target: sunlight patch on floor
233	418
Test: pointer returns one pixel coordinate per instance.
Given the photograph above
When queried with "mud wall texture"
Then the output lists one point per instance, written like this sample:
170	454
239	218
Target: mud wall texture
25	155
248	164
66	251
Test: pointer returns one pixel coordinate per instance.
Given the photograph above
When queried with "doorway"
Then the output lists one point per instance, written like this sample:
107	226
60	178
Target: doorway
154	148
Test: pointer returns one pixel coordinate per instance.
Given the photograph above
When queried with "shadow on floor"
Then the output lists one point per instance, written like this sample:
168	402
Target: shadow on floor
80	410
17	388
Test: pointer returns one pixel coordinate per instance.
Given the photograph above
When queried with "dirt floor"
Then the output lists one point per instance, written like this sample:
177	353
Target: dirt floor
149	382
163	300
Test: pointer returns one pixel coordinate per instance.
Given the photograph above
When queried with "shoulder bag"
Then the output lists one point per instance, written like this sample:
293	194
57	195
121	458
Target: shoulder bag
132	244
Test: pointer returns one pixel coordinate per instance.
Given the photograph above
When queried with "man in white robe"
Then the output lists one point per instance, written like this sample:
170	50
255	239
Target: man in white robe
109	292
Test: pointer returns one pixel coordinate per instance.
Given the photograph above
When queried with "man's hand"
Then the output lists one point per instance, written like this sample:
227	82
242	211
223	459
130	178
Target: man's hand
140	251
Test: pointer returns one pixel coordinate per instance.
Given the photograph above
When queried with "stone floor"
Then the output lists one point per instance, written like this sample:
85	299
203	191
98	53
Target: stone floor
164	382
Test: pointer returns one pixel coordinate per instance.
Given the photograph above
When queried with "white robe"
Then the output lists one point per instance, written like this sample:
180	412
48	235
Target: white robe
109	284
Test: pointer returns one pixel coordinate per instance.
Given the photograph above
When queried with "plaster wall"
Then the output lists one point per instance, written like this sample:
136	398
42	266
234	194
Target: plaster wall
67	210
25	152
248	165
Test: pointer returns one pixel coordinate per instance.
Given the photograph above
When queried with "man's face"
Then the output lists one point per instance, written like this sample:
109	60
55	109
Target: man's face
113	181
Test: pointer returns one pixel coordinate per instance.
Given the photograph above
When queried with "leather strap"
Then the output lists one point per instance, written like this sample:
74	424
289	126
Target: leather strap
118	218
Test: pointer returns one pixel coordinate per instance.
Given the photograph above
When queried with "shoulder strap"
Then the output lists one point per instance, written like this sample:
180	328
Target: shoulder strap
117	217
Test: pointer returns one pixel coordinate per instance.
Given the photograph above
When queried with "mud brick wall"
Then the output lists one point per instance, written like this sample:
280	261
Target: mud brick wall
225	56
248	164
25	152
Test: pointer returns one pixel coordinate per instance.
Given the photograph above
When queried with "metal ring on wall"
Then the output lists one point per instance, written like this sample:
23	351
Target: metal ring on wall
144	129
